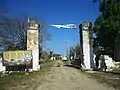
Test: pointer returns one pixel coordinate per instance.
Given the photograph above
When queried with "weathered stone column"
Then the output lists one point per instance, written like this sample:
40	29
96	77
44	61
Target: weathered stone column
86	42
2	68
33	42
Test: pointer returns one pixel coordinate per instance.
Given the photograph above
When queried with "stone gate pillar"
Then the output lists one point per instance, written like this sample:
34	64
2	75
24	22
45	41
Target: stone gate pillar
33	42
86	44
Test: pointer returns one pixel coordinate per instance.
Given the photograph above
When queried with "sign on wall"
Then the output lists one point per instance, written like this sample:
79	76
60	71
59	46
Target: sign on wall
32	39
17	58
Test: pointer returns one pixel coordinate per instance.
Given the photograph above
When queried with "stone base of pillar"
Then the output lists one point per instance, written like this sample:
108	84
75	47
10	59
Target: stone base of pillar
35	62
87	69
2	68
31	70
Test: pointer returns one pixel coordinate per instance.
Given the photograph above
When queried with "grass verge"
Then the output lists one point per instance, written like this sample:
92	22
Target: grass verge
105	78
8	82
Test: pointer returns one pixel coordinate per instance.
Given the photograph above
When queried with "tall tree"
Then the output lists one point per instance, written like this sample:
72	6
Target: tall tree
13	32
107	25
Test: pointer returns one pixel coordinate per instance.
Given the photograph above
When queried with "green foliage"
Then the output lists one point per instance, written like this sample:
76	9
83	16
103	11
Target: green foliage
107	25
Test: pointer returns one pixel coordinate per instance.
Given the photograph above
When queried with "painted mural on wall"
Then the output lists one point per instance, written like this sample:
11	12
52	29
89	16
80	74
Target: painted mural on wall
32	39
17	58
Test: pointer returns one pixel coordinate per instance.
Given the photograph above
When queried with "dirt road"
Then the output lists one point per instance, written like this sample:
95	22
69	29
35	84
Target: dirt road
66	78
58	77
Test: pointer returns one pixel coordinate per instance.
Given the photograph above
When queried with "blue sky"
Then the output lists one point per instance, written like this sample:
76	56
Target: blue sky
56	12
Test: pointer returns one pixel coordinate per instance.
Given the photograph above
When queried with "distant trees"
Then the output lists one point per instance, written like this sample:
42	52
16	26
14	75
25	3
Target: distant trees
78	49
75	50
72	52
45	55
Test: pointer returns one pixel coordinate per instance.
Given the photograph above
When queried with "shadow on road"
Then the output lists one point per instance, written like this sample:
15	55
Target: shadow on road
77	67
115	73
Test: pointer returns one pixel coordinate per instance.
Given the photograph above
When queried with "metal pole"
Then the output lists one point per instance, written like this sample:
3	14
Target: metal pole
74	50
68	52
78	36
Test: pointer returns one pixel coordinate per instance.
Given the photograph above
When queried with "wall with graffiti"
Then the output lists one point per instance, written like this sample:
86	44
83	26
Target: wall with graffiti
19	58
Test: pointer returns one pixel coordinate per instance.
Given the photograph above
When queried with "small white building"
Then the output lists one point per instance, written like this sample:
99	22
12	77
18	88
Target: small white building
53	58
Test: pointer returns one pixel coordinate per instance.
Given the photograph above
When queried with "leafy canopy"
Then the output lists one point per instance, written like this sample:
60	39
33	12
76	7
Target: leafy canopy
107	25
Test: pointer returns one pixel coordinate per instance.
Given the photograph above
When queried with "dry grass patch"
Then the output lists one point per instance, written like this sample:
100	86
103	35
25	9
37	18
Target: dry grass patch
105	78
22	80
